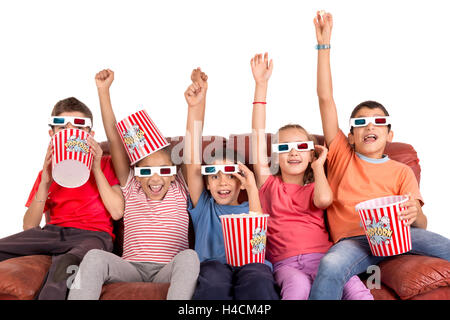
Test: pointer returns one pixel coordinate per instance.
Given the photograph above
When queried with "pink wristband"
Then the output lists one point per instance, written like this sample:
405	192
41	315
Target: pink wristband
259	102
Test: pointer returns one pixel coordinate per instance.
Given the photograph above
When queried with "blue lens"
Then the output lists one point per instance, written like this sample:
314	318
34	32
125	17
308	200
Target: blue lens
283	147
360	122
146	172
58	120
210	169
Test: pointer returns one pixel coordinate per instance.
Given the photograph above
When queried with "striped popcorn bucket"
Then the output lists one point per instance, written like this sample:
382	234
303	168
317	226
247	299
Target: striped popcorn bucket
244	237
71	158
387	235
140	136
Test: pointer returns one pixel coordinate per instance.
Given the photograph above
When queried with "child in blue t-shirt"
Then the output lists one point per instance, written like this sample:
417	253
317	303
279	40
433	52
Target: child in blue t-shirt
214	193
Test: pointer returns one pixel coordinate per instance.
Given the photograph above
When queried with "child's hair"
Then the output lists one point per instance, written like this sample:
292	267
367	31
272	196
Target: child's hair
308	177
371	105
70	105
226	155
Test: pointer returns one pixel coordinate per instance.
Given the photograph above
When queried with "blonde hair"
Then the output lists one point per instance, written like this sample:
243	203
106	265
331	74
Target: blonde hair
308	177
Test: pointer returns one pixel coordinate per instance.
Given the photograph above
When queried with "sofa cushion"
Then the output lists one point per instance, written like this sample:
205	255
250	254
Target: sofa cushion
22	277
411	275
135	291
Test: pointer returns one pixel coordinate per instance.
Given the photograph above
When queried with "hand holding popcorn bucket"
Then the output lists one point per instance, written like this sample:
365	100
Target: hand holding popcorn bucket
71	158
387	235
244	238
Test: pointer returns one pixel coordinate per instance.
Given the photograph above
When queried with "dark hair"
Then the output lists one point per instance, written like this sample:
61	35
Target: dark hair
70	105
308	177
226	155
371	105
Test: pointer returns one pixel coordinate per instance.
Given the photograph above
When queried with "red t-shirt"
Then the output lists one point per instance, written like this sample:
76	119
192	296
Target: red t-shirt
295	226
80	207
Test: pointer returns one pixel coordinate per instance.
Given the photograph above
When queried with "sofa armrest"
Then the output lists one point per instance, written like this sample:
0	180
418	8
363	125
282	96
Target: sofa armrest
412	275
21	278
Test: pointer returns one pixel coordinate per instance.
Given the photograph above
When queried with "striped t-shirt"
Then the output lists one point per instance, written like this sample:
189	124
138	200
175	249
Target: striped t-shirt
155	230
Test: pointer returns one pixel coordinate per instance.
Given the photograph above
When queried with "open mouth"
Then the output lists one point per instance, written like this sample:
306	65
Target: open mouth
294	162
224	193
156	188
370	138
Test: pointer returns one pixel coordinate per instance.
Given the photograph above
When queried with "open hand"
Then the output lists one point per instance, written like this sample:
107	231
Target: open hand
412	210
47	177
319	162
261	67
323	24
246	177
104	79
96	151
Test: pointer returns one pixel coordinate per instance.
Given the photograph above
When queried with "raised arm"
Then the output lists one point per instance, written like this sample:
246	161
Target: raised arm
261	70
119	157
328	112
196	99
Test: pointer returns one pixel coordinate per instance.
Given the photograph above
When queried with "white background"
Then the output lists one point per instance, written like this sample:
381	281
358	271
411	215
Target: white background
394	52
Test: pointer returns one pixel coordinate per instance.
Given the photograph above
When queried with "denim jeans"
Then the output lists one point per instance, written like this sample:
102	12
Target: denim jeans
352	256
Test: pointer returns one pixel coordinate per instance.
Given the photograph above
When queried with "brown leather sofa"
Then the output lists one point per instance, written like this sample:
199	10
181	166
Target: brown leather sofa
405	277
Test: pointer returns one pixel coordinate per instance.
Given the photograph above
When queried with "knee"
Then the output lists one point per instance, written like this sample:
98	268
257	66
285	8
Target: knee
330	265
92	259
187	260
188	256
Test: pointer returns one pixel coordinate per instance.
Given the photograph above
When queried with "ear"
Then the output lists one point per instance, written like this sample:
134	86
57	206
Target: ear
172	178
92	133
351	138
390	136
51	133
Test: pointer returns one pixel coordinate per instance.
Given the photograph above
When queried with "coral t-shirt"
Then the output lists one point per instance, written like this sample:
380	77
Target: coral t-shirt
80	207
295	226
355	178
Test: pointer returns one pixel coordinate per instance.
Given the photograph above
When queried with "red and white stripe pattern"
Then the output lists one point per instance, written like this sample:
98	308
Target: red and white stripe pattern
154	230
153	138
374	210
62	152
237	236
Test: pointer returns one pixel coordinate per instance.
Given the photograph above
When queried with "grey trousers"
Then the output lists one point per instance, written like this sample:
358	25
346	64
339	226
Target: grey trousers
99	267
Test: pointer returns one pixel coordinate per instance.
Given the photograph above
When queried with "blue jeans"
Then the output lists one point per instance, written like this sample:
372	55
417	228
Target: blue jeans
352	256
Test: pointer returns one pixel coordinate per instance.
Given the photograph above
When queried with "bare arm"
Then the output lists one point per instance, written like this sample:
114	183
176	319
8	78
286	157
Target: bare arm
323	195
327	105
33	215
248	182
261	70
119	156
196	98
111	196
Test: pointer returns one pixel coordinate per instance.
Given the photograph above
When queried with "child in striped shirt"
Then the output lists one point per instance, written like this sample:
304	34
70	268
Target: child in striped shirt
156	223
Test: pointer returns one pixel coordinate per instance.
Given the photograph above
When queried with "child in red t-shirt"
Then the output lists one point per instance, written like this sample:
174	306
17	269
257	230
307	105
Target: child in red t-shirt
79	219
295	198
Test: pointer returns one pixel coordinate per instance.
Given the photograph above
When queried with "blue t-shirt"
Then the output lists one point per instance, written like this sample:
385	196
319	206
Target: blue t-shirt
208	228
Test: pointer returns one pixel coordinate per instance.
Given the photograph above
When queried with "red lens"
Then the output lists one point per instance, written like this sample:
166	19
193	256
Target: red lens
302	146
229	169
164	171
79	121
380	120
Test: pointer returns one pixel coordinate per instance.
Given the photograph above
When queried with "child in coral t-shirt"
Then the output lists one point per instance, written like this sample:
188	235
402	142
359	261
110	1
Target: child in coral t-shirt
358	171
